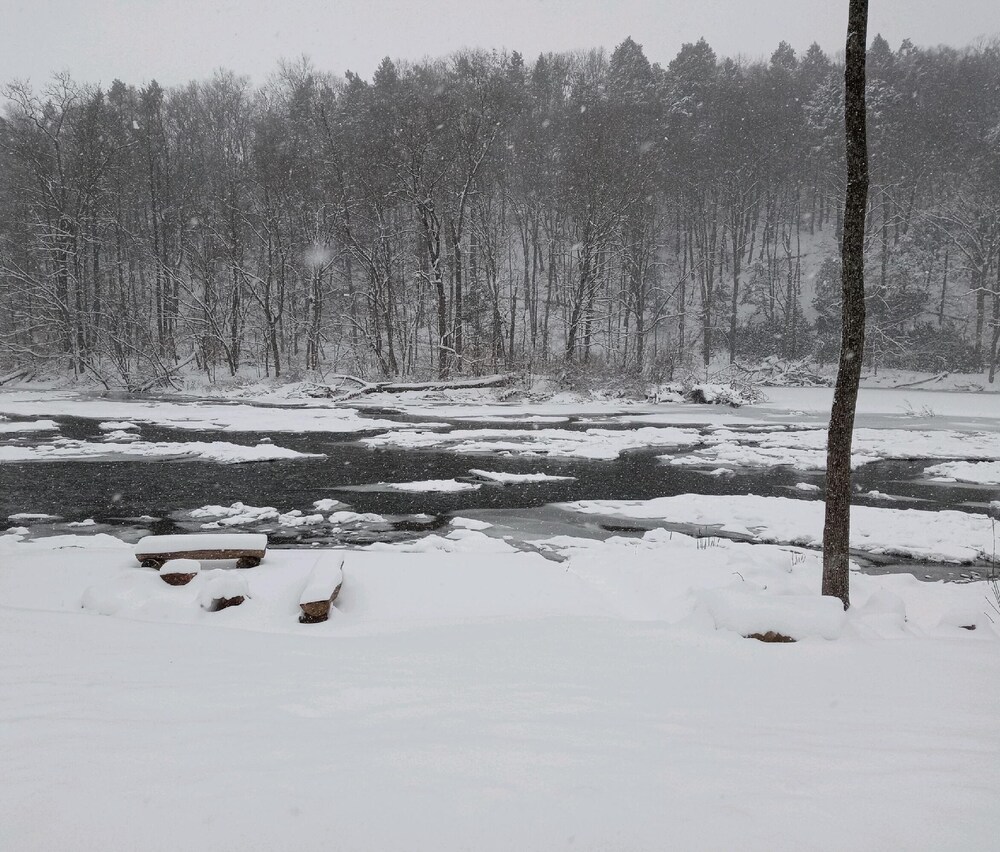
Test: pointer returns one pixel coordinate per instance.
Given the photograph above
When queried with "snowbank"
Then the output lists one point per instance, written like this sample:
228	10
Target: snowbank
198	416
503	702
945	536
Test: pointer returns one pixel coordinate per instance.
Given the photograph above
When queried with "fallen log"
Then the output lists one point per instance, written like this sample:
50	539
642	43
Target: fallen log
365	387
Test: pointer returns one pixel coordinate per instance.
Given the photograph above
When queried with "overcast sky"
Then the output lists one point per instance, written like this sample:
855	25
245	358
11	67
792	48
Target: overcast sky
174	41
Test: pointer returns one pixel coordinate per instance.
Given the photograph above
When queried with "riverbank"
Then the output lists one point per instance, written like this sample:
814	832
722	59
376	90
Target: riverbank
495	700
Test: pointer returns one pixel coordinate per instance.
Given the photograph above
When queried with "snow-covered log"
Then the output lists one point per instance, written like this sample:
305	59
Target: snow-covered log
248	549
322	588
223	591
336	387
179	572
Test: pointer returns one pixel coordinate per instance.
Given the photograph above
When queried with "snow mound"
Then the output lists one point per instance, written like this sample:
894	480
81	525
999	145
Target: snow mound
222	585
748	611
979	473
181	566
347	517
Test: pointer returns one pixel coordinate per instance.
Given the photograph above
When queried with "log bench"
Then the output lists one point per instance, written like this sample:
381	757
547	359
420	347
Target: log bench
247	549
322	588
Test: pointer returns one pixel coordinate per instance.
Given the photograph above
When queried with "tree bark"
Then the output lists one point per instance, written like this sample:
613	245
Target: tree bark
837	528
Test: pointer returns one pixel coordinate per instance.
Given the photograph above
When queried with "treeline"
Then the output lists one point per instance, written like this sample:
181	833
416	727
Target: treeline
481	213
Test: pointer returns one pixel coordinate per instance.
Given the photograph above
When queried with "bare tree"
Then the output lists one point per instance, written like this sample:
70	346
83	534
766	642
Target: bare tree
837	528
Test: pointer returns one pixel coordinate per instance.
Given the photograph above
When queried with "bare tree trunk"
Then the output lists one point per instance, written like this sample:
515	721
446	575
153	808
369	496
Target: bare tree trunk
837	528
996	326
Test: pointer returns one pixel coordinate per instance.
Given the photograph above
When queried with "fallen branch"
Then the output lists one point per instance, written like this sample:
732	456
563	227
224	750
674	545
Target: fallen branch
365	387
936	378
165	375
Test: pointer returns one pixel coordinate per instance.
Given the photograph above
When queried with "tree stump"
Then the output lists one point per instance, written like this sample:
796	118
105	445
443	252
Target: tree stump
222	591
179	572
224	603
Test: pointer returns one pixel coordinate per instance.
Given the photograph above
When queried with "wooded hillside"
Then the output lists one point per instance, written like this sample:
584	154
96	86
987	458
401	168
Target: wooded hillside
481	213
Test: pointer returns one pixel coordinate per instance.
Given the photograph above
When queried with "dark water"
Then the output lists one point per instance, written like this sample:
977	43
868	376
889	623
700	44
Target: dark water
107	489
118	492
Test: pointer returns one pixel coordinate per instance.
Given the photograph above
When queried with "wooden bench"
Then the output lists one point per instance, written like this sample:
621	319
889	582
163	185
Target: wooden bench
322	588
247	549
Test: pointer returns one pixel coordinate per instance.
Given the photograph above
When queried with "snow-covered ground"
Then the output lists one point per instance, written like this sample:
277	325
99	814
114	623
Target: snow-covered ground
502	702
466	694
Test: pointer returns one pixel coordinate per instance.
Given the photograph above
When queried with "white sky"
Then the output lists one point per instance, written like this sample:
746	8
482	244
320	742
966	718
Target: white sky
174	41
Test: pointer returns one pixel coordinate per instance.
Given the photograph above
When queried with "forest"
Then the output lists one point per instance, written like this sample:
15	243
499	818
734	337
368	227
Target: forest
482	213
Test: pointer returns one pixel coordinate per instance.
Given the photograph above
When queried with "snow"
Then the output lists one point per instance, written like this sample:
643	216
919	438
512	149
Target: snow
506	702
805	449
152	544
291	519
809	487
518	478
181	566
116	425
512	418
980	473
326	575
461	540
221	584
601	696
433	485
66	449
11	426
347	517
32	516
589	444
910	403
326	504
198	416
746	611
120	436
469	523
944	536
240	514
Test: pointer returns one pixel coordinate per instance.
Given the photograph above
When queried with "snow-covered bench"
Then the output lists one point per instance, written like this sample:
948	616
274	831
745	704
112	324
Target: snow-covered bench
322	588
247	549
